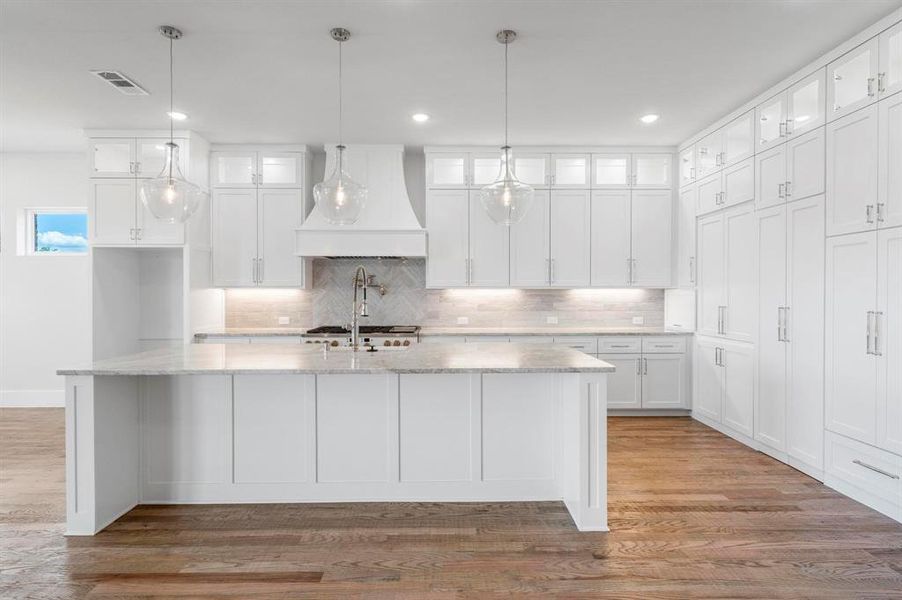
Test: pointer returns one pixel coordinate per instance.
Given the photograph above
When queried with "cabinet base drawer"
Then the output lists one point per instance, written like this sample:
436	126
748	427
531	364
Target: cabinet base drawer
619	345
867	474
661	345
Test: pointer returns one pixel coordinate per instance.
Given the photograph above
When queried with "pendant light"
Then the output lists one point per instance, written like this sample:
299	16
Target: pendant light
507	199
339	197
169	196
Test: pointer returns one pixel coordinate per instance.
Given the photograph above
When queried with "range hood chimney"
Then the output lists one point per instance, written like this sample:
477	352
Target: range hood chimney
387	226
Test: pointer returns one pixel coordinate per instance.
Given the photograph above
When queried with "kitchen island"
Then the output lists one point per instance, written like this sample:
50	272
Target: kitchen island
215	423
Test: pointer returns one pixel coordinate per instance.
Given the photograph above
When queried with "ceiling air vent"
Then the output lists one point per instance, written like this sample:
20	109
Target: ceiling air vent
121	83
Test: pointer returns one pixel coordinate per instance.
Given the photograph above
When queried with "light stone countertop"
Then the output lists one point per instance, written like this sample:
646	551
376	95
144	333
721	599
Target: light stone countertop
462	330
232	359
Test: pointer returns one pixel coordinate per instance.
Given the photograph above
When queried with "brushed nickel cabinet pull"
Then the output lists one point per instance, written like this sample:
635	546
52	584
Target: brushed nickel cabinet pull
875	469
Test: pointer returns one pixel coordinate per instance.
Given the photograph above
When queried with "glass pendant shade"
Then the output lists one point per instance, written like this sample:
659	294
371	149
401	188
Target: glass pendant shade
340	198
169	196
507	199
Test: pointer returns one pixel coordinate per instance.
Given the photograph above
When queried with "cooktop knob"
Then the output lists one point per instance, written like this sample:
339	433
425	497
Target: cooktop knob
406	342
386	343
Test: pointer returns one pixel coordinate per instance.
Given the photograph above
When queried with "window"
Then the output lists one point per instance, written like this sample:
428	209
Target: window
56	231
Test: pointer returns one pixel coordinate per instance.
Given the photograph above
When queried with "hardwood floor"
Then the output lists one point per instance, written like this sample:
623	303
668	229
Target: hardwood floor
693	515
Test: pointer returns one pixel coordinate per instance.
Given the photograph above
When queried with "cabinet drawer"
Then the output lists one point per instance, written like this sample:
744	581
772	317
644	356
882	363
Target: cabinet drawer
669	344
870	469
619	345
588	345
487	338
532	339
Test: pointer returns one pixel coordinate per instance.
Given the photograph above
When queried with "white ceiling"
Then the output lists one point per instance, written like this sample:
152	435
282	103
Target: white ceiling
582	72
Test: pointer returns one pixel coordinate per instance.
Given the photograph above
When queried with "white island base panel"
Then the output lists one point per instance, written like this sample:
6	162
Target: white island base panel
204	439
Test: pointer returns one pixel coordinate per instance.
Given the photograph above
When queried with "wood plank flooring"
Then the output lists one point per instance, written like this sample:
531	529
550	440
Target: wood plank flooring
693	515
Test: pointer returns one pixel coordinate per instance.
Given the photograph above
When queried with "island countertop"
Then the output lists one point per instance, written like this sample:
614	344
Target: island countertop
230	359
451	330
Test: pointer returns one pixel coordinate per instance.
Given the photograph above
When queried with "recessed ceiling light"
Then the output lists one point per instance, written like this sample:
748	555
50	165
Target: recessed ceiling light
420	117
177	116
649	118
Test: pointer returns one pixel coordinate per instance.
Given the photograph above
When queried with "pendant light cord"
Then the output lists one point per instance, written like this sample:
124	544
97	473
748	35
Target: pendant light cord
171	108
340	139
505	92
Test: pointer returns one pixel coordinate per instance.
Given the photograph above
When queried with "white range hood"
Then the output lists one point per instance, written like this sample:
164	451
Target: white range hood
387	225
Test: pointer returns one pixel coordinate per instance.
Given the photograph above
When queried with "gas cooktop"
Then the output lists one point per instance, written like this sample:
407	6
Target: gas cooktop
366	330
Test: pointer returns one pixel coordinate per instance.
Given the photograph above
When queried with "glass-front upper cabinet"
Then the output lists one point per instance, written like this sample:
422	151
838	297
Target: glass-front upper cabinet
611	171
739	139
446	170
112	157
806	103
708	154
570	170
652	170
234	169
852	80
150	157
485	167
771	122
889	77
687	165
532	169
279	169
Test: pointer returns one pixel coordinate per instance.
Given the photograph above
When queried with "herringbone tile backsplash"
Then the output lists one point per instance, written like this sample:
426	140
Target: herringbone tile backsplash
407	301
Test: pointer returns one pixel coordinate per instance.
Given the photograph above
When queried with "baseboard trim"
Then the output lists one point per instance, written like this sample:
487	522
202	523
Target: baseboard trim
32	398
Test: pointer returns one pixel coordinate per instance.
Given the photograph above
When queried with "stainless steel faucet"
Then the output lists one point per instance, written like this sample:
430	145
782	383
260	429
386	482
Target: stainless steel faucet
358	310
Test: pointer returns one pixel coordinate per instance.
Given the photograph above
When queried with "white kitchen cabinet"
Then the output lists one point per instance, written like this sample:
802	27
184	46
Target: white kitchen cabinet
770	122
792	171
530	245
447	221
112	157
738	139
484	168
264	168
686	162
234	169
664	381
709	154
570	238
685	265
611	171
726	259
889	159
447	170
805	104
789	369
709	194
888	343
624	384
570	171
651	238
119	218
253	238
889	76
738	183
489	257
852	80
652	171
151	155
850	385
707	379
277	169
611	232
724	382
533	168
852	172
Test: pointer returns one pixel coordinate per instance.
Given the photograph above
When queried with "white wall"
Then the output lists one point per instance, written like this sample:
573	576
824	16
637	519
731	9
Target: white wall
45	301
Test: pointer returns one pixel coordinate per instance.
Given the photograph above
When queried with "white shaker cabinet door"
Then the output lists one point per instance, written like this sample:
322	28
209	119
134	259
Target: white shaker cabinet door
233	169
805	175
611	171
739	139
624	384
806	103
529	245
738	183
707	395
652	170
889	185
685	267
710	269
154	232
738	364
709	194
771	122
280	213
852	148
738	320
447	226
610	238
533	168
151	154
113	218
651	238
485	168
889	342
447	170
489	248
889	76
770	177
850	370
112	157
804	330
770	381
570	171
709	153
570	238
664	381
687	165
234	237
852	80
280	169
